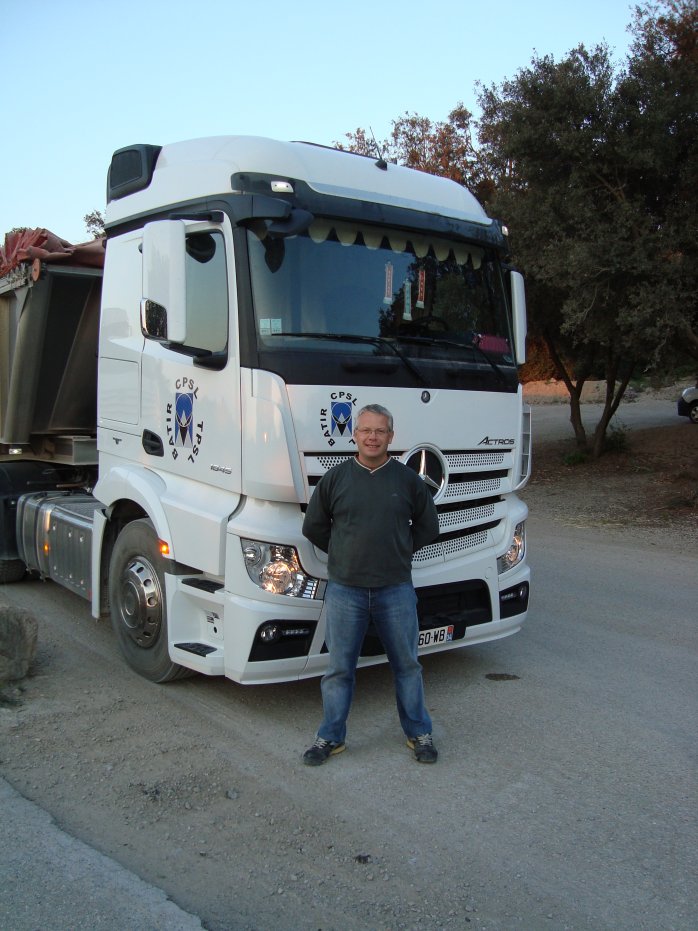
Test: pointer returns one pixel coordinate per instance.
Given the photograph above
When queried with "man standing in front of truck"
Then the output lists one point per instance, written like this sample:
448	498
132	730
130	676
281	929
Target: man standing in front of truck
370	514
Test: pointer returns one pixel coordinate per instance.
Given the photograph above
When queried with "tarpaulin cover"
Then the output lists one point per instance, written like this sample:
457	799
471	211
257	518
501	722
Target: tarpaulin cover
27	245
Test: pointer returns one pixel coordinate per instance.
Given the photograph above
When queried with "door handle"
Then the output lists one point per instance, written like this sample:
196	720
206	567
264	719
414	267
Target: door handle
152	443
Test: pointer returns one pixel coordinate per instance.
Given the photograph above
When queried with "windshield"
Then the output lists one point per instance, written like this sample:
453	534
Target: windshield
354	290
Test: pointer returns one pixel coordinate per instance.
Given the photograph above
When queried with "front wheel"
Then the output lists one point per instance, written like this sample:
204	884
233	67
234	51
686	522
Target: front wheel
138	605
693	412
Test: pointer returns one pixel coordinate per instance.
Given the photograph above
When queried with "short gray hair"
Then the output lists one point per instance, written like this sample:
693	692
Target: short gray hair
377	409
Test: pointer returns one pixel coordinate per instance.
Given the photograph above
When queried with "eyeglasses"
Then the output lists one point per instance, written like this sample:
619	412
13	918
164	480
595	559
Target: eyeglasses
367	431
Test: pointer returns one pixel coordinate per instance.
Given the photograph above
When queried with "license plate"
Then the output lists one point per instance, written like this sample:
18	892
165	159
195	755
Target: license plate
428	638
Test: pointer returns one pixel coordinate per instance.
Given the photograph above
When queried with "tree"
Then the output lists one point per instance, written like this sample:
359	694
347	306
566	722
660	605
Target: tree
537	167
442	148
94	223
602	211
544	134
658	102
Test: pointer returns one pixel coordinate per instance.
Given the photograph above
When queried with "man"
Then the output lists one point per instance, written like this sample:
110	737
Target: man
370	514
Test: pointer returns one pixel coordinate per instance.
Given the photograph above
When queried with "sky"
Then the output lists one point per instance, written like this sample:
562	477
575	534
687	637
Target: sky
82	78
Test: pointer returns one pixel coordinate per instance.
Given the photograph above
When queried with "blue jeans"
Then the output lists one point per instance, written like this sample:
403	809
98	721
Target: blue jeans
393	610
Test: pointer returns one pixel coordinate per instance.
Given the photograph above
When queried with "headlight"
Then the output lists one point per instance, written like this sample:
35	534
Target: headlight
516	551
277	569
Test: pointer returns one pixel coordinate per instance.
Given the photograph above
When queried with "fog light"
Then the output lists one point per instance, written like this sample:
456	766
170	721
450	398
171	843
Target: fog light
515	594
270	633
513	601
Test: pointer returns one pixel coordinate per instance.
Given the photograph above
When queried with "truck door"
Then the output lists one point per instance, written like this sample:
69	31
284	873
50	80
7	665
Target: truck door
190	376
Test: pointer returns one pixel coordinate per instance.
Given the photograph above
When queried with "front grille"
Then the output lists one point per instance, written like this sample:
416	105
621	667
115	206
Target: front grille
329	460
481	486
467	462
470	507
457	518
450	547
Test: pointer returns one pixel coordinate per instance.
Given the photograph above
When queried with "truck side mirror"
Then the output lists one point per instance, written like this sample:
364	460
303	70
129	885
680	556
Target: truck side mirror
164	306
278	217
518	304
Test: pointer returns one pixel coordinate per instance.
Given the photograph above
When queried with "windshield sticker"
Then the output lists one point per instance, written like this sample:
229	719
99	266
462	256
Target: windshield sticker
270	326
421	288
388	297
184	434
337	420
407	312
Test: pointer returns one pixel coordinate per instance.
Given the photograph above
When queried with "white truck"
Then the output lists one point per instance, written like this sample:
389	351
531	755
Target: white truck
164	420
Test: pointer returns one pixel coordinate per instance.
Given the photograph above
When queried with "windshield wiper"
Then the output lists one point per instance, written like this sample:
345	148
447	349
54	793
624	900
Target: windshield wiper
438	341
373	340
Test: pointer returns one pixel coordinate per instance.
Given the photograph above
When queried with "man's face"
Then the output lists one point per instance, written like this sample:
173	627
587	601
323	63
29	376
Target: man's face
372	438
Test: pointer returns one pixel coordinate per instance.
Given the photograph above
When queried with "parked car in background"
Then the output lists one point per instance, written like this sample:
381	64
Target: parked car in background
688	404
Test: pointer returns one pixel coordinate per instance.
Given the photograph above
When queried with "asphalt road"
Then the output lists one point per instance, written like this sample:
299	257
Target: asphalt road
552	421
564	797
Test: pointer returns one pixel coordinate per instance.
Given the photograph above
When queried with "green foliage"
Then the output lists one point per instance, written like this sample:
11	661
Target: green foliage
595	173
576	458
94	223
616	440
442	148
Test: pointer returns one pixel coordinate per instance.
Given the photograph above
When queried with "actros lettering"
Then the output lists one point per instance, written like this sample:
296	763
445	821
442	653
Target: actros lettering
496	441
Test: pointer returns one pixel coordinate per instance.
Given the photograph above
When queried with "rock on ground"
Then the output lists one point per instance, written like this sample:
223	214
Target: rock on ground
18	638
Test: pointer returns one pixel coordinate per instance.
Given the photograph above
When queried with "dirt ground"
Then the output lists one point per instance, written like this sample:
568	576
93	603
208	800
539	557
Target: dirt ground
649	480
176	783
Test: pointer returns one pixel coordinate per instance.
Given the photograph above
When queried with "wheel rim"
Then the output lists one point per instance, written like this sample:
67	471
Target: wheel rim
140	602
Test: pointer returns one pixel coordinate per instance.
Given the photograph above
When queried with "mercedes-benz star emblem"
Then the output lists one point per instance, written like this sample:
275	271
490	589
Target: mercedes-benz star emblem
430	466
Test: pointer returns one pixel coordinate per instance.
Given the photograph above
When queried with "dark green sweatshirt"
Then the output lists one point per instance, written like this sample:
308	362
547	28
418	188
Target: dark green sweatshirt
370	522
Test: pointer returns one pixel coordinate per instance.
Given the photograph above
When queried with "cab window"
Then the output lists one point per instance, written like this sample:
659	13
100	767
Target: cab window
206	292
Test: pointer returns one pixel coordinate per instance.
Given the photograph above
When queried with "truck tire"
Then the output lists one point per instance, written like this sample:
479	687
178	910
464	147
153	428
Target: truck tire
138	605
11	570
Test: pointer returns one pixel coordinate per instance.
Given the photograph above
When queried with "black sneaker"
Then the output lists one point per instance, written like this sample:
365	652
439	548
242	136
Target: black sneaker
321	751
424	749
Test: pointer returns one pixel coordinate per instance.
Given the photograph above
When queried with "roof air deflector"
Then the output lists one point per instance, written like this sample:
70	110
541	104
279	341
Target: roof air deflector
131	170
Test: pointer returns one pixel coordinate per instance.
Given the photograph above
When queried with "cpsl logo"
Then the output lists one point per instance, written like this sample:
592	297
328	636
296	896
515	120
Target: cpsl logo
184	419
184	434
337	420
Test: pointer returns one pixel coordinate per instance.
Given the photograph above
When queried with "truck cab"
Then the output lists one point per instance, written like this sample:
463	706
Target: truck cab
255	296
